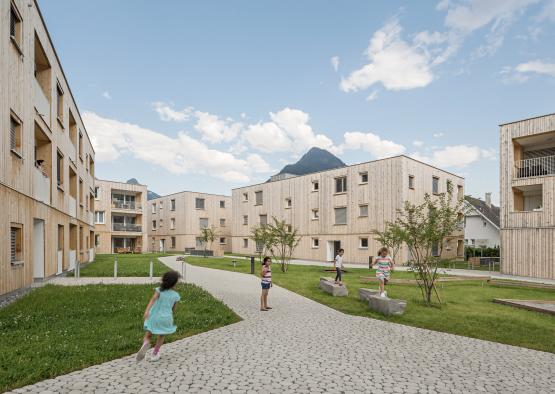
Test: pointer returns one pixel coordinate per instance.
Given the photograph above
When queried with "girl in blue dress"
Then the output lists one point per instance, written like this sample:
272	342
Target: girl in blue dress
159	315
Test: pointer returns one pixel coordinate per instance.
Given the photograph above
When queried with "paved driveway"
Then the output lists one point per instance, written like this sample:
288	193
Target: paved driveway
302	346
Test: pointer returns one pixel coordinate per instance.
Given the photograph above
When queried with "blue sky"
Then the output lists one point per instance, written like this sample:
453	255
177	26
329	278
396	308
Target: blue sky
213	95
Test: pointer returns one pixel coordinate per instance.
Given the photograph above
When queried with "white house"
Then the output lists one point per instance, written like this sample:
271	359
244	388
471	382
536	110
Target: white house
481	227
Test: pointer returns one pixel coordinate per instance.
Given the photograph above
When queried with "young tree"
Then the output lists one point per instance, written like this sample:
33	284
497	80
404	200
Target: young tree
283	242
425	228
207	235
392	237
262	237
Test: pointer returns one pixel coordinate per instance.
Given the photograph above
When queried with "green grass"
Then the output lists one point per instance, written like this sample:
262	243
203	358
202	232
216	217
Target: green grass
128	265
55	330
467	310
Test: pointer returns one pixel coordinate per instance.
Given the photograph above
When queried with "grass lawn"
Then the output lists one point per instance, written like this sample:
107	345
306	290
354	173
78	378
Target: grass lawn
128	265
54	330
467	310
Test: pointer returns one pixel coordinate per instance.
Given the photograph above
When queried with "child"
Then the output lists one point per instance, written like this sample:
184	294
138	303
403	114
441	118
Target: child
159	315
385	266
339	266
266	276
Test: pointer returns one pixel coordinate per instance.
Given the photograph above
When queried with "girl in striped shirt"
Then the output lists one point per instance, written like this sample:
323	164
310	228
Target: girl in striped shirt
266	278
385	266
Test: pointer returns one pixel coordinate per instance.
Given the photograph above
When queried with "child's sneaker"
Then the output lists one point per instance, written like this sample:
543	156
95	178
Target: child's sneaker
142	351
385	294
382	294
154	357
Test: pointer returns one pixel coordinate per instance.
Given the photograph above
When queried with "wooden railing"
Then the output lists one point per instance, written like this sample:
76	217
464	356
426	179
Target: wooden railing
538	166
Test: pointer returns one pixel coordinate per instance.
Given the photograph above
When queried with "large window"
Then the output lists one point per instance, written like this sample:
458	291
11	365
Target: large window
258	198
99	217
341	215
341	184
15	135
203	222
199	203
435	185
16	243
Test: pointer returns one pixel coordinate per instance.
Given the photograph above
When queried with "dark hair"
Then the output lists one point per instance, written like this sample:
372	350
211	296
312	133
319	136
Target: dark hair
169	279
341	250
383	249
265	260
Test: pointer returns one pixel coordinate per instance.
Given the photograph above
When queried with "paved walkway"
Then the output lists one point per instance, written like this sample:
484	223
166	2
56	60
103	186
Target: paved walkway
301	346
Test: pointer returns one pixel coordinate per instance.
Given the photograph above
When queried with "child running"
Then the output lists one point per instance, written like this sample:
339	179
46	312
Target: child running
159	315
339	266
266	277
385	266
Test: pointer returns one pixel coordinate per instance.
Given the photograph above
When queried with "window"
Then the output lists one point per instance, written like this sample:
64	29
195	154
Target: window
460	192
81	146
258	200
161	223
341	184
363	210
363	243
16	243
222	204
435	185
153	207
259	246
245	220
435	249
96	192
222	241
81	192
288	202
15	135
263	220
222	222
341	215
99	217
203	222
172	224
315	214
245	196
528	198
172	204
15	26
289	228
173	242
411	181
315	242
154	224
199	203
60	169
161	205
315	186
363	177
96	240
245	242
60	103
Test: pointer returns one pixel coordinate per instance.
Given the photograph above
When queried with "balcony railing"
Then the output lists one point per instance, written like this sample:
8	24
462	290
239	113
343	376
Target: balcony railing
131	205
133	228
41	185
41	102
538	166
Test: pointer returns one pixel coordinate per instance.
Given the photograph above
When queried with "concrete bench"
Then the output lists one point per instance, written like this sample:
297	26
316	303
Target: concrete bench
329	286
364	294
386	306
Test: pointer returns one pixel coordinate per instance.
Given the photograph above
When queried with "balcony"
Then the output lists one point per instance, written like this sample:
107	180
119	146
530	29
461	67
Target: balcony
72	207
131	228
42	104
538	166
90	217
41	186
126	205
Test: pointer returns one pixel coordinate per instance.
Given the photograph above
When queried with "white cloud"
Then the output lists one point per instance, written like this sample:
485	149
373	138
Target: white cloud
394	63
369	142
548	12
216	130
536	66
168	114
418	143
112	139
438	135
372	96
335	62
458	156
107	95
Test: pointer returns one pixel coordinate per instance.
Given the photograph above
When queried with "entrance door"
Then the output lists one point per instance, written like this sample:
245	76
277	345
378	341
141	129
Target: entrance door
162	245
333	249
38	248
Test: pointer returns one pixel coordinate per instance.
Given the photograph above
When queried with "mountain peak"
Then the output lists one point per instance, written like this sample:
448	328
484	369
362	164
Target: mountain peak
315	160
132	181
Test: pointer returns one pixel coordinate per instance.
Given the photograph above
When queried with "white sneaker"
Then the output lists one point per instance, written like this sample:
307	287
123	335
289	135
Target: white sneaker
382	294
154	357
385	293
142	351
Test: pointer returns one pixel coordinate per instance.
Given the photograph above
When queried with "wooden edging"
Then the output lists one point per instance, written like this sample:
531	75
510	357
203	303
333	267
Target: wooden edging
517	304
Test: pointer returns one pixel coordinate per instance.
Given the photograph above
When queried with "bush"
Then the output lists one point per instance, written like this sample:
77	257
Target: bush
471	251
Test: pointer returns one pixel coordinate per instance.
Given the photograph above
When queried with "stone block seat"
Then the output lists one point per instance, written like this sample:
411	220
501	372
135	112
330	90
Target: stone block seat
329	286
364	294
386	306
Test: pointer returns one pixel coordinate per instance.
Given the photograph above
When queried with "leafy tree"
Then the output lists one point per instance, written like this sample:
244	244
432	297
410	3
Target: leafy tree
207	235
392	237
283	242
262	237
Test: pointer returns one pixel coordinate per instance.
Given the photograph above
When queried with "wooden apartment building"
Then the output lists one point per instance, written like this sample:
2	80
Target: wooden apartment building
528	197
339	208
120	218
175	221
46	160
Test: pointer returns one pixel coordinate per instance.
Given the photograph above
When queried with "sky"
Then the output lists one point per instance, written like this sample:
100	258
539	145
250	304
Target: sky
213	95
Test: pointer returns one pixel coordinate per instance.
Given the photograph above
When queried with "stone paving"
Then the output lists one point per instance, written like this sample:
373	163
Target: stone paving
301	346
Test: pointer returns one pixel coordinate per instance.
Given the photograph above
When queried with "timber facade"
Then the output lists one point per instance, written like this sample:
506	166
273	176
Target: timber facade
47	160
340	208
528	197
120	217
175	222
